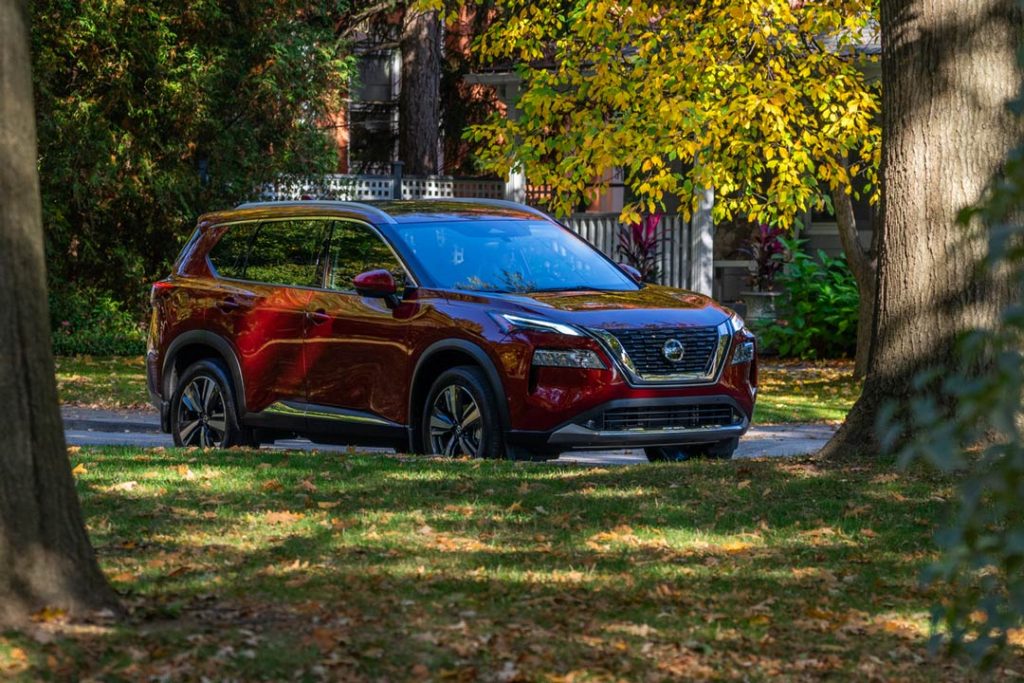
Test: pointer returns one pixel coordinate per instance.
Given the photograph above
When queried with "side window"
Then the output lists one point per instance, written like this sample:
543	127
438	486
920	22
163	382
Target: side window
277	252
231	251
355	249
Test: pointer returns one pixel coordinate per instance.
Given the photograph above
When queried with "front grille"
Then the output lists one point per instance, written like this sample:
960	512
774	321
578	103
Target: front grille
645	349
699	416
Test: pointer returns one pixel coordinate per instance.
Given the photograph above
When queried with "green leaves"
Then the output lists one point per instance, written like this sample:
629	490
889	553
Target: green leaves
818	308
151	114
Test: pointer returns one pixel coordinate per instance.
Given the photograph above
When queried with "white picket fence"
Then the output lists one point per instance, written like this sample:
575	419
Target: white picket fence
684	255
355	188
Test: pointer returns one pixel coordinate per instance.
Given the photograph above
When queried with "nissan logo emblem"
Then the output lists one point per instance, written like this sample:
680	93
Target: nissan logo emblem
673	350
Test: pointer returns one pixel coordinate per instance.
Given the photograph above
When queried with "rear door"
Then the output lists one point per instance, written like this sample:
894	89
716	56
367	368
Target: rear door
357	350
268	270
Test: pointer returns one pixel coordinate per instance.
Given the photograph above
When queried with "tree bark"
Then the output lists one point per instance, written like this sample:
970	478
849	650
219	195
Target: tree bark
45	556
419	116
948	71
863	267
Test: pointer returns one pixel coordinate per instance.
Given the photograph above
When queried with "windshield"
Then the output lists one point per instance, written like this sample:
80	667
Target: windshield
508	256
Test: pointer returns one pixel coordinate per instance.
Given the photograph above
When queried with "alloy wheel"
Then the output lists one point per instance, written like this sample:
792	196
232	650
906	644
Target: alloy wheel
202	417
456	424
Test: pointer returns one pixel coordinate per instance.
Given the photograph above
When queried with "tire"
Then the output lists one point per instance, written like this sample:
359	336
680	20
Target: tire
203	409
460	416
720	450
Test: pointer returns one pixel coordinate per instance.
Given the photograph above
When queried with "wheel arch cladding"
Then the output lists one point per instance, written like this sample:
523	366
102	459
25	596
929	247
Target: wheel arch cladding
197	345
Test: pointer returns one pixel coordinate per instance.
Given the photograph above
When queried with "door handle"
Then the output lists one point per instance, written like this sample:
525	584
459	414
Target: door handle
228	305
317	317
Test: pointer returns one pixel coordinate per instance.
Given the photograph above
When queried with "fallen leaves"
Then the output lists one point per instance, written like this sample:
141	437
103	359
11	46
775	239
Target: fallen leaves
282	517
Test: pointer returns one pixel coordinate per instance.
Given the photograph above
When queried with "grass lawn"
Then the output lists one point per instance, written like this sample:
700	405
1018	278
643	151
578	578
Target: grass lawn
271	565
110	383
805	391
791	391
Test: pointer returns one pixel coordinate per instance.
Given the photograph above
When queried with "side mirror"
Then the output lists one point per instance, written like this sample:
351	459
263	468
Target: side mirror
632	272
377	284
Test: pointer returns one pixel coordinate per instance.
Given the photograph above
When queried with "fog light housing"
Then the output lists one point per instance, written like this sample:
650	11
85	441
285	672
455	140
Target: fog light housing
568	358
744	353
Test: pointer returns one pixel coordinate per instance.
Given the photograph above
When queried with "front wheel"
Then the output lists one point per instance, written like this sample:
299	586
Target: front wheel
460	416
203	410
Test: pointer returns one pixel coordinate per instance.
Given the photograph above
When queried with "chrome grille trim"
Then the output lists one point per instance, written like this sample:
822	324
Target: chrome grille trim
635	375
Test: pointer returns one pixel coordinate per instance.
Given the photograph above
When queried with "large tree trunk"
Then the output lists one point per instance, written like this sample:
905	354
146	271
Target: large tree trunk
948	70
419	116
45	556
863	267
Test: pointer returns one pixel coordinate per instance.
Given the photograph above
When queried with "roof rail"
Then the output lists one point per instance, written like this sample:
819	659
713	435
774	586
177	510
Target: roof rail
495	202
357	206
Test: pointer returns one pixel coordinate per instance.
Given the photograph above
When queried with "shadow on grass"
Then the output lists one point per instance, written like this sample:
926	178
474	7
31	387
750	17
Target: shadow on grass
269	565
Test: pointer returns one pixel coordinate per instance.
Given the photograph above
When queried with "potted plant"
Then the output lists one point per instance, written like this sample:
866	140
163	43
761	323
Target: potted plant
766	251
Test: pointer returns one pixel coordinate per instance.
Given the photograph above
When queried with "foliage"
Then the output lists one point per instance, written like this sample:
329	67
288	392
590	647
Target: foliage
767	250
818	308
272	565
88	321
152	113
982	568
751	97
639	243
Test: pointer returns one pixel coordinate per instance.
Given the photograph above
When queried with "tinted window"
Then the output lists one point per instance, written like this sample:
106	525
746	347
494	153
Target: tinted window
508	256
228	256
356	249
277	252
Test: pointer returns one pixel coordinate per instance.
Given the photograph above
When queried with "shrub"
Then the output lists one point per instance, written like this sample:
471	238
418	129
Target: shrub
638	246
817	309
92	322
767	250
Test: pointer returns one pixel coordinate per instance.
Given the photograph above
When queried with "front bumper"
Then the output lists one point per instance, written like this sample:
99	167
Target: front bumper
643	422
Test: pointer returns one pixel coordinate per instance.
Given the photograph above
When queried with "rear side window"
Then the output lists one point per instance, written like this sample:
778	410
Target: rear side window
276	252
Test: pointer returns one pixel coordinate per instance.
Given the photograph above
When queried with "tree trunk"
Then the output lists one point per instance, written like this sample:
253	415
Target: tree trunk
45	556
419	117
948	70
863	267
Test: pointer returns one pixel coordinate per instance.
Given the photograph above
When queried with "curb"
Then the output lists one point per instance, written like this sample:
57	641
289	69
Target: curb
94	425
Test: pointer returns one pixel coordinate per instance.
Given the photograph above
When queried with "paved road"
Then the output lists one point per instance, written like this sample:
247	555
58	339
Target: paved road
111	428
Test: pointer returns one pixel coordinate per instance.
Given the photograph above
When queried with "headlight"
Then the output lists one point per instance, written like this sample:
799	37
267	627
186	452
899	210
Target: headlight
568	358
737	323
744	353
518	322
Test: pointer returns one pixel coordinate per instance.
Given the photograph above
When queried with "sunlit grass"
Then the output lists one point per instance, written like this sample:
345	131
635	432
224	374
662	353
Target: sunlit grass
273	565
109	383
805	391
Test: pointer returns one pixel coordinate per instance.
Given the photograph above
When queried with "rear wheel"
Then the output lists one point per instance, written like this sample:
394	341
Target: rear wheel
460	416
203	411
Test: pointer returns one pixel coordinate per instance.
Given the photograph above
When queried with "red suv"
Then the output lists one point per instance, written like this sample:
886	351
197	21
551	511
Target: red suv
479	328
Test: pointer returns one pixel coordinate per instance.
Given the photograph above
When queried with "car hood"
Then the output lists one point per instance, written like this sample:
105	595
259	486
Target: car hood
652	306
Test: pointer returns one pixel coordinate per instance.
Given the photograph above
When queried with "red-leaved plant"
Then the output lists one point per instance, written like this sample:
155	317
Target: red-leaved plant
638	245
767	251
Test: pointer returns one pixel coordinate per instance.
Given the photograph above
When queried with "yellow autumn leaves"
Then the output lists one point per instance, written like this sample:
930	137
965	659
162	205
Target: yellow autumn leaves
761	102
